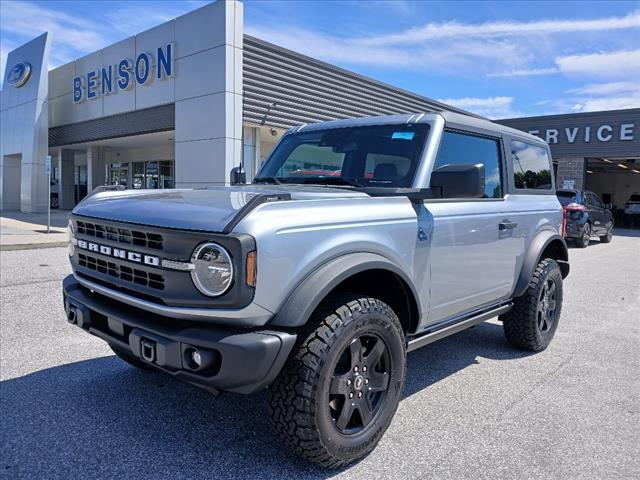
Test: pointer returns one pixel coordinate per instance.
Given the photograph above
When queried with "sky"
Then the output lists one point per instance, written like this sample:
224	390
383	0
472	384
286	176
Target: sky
498	59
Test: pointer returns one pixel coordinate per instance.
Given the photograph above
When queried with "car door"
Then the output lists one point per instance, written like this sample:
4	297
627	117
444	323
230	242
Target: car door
474	245
596	213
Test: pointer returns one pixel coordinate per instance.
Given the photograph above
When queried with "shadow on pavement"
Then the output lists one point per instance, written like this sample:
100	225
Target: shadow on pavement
101	418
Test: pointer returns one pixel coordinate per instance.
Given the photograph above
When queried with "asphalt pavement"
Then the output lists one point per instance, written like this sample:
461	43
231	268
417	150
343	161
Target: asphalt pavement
473	407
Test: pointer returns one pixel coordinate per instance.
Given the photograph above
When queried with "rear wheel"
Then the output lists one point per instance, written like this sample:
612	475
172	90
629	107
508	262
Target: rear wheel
338	392
130	359
583	240
533	320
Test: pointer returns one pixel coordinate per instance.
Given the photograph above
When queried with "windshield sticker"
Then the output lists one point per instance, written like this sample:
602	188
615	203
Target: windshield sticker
402	136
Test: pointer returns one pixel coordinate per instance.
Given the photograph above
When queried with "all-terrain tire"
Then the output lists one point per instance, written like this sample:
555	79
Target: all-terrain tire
300	400
522	325
130	359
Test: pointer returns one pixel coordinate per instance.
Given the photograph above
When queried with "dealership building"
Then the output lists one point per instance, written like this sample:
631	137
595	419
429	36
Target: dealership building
184	103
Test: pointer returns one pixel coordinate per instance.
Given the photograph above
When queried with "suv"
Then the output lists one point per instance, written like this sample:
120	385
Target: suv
632	210
586	216
360	240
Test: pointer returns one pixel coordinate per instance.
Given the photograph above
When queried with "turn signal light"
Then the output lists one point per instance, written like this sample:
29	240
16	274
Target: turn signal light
252	268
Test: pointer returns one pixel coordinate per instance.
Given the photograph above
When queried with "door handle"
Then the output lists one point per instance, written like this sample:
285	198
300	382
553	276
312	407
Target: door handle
507	225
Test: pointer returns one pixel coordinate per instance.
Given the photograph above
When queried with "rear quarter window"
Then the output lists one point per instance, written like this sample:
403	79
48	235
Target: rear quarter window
531	166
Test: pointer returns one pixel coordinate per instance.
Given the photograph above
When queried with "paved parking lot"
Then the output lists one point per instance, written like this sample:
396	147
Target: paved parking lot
472	408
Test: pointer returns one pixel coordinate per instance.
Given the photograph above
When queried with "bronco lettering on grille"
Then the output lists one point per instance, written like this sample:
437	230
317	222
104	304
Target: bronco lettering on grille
136	257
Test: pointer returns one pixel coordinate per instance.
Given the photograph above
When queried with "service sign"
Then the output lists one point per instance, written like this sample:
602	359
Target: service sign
122	76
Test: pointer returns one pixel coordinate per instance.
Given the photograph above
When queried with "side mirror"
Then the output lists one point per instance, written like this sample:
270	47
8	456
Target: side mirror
463	180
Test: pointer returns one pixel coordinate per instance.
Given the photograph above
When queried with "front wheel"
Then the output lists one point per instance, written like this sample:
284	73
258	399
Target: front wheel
337	394
533	320
608	236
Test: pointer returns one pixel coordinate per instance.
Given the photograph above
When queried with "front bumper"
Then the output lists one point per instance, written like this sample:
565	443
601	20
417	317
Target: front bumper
234	360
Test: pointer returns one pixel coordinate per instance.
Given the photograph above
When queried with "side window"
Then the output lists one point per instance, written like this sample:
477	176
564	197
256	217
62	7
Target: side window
531	166
465	148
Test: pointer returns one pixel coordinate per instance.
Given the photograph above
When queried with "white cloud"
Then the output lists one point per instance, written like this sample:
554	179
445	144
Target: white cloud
612	88
525	72
617	64
604	64
491	107
432	31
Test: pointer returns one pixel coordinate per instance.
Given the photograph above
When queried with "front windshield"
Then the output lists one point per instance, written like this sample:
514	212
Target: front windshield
374	156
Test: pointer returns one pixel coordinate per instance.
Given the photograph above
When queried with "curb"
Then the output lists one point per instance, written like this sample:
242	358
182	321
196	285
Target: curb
32	246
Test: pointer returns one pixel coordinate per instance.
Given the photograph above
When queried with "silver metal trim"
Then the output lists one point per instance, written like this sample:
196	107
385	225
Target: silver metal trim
251	315
176	265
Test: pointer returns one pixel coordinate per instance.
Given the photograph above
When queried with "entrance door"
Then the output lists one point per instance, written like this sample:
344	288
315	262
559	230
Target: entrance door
120	174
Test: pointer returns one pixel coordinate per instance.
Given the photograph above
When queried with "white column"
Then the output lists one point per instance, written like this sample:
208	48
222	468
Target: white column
208	94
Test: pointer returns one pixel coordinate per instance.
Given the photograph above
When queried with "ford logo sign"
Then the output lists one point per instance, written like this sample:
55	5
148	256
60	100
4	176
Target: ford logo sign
19	74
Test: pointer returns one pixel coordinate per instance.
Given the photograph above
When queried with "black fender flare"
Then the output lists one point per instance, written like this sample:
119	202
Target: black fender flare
533	256
301	303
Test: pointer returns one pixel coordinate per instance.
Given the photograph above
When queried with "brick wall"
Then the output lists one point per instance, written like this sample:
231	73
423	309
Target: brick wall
572	168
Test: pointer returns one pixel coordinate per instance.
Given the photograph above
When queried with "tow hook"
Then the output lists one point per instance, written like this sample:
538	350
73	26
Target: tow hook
148	350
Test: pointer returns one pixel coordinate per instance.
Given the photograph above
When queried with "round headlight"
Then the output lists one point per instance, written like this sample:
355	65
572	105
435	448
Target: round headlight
70	234
213	270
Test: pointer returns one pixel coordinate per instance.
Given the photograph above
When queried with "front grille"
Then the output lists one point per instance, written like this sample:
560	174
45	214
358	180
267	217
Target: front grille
119	234
123	272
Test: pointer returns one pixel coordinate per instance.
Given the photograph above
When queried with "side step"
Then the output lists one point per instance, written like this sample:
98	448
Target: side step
463	324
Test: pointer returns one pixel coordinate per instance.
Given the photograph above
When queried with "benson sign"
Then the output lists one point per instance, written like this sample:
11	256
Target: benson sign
125	74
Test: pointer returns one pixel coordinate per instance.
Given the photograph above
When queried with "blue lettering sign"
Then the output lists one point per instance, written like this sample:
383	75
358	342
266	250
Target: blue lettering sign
165	62
124	75
106	80
143	68
77	89
92	83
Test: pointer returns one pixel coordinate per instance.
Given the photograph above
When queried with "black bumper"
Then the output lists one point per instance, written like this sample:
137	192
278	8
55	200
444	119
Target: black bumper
234	360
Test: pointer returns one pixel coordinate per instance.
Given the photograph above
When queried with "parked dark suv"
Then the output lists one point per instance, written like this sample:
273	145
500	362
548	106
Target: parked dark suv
631	214
586	216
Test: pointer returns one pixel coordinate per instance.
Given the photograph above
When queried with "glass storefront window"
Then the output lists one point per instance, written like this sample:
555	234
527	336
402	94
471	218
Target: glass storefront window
138	174
166	174
150	174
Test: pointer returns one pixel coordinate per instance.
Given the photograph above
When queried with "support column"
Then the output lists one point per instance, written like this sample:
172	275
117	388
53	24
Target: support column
208	93
251	151
95	168
573	170
66	184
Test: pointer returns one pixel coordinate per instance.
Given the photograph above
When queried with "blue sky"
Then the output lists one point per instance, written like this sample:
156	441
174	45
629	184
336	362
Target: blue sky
499	59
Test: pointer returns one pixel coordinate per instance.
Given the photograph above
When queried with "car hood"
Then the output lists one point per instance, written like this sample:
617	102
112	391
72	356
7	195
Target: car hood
214	209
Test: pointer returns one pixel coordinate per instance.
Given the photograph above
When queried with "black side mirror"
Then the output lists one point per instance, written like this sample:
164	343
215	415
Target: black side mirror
238	176
463	180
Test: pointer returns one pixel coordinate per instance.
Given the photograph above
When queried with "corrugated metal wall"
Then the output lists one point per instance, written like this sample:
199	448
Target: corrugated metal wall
283	88
138	122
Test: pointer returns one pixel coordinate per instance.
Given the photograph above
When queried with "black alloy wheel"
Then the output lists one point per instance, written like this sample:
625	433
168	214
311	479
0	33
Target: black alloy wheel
360	383
547	303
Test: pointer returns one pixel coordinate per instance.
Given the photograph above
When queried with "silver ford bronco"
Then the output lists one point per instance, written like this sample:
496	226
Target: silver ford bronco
358	241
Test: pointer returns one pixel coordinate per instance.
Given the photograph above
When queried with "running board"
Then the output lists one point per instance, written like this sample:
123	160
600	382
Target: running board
436	335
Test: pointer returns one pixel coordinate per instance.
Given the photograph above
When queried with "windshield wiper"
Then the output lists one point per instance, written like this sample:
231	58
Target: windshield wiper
335	180
273	180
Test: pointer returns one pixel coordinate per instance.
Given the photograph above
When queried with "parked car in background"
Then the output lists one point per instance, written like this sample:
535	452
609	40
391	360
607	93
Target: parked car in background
632	211
586	216
54	197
